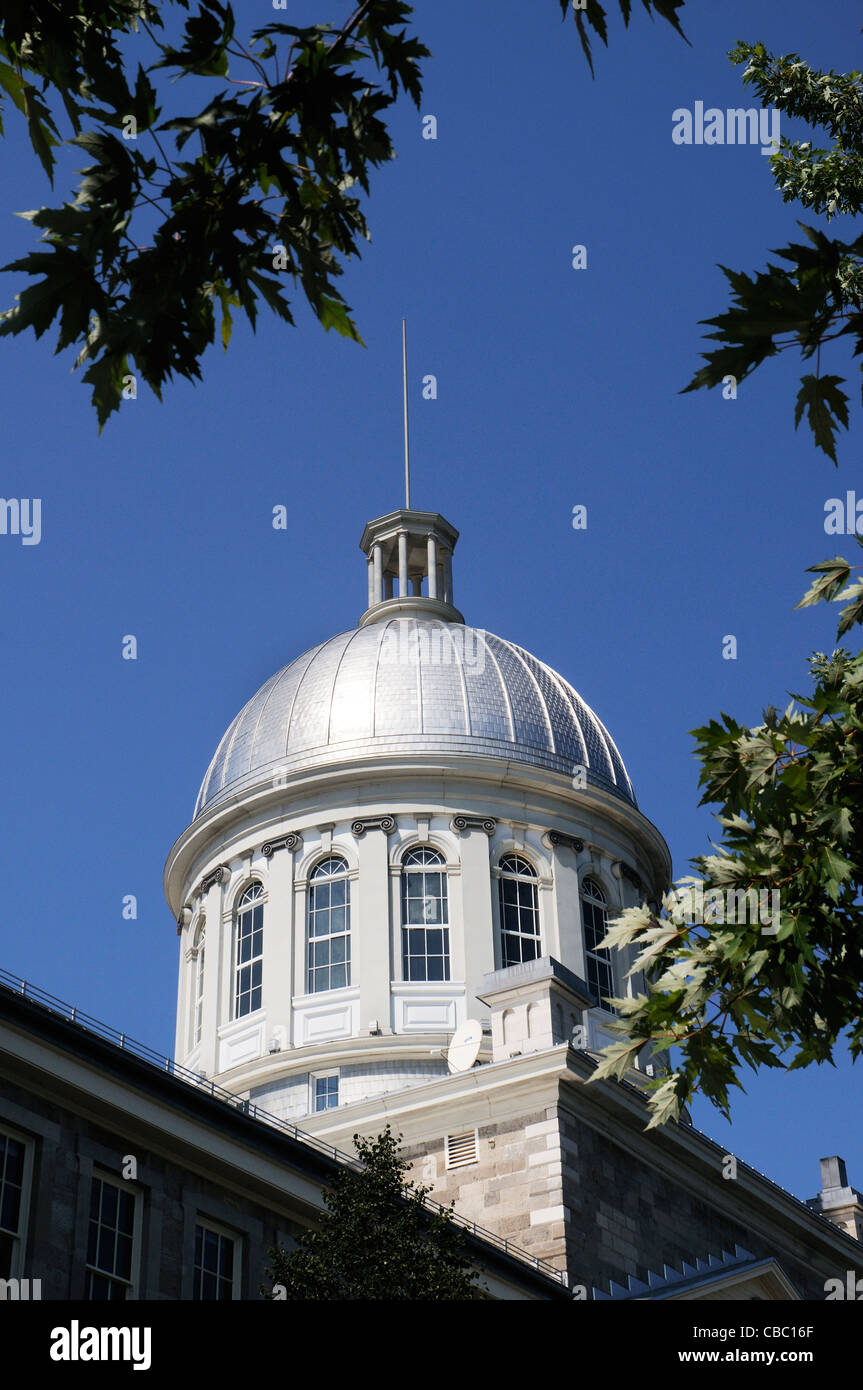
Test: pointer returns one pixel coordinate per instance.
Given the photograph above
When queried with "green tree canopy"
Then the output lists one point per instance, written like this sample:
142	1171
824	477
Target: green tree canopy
178	222
380	1238
776	981
817	296
774	978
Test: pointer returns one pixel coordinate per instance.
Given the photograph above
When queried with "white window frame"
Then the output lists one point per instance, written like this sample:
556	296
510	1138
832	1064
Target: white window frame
314	1078
258	902
198	966
207	1224
499	873
441	867
343	876
111	1180
602	958
19	1246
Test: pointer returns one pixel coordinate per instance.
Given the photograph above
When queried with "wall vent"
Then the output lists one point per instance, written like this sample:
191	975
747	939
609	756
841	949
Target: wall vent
462	1149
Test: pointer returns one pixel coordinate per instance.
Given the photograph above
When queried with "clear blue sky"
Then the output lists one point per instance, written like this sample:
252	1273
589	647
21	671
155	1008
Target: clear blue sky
555	387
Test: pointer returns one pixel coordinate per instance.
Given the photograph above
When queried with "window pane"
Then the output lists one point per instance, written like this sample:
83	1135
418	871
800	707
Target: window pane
109	1241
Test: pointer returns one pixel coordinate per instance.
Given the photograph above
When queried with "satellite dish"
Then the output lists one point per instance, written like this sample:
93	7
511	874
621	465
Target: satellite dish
464	1046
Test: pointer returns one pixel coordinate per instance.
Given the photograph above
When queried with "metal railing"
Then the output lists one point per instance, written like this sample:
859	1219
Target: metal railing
162	1063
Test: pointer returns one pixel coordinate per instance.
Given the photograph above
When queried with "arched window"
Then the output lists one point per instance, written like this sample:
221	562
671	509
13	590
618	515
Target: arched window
600	975
425	916
329	926
198	1007
519	911
250	951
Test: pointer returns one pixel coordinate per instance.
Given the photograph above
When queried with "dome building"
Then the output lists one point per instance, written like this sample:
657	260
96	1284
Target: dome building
398	813
417	830
390	903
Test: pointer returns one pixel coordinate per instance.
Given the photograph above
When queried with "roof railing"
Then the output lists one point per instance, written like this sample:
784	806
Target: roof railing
72	1014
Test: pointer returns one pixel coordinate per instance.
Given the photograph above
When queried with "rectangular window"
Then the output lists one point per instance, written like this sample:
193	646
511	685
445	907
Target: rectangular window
215	1264
600	976
425	919
326	1092
329	936
250	959
199	996
110	1242
14	1186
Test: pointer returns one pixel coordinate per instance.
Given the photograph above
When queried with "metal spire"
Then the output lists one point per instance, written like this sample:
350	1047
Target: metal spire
405	398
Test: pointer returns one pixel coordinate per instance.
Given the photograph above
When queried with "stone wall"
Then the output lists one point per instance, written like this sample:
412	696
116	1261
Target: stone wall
566	1192
68	1149
514	1190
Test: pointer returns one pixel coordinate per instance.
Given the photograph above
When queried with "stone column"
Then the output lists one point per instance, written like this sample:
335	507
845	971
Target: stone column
570	944
278	973
403	564
185	985
371	966
432	565
218	962
447	576
474	851
378	561
371	569
300	894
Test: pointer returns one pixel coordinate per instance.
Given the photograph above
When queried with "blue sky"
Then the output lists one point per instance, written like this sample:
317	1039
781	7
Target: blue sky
555	387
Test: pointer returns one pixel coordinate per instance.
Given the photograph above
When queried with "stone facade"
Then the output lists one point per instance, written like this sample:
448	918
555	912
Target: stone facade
82	1108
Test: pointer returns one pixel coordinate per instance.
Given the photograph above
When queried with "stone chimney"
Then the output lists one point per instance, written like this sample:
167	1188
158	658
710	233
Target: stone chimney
535	1005
841	1204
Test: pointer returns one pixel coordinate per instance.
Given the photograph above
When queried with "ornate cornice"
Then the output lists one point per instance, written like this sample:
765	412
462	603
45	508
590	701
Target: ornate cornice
555	838
631	876
385	823
459	824
293	840
220	874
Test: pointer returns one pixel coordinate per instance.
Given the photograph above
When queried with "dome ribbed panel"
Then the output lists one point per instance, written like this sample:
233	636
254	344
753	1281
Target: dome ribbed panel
442	690
242	753
271	737
310	717
598	757
490	715
568	739
621	776
215	779
411	687
396	707
352	708
529	719
213	776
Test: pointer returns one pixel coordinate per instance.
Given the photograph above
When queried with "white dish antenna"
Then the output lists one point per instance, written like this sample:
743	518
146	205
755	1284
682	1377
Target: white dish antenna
464	1046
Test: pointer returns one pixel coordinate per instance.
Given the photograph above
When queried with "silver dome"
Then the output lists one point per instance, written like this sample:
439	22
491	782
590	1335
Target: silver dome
412	686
